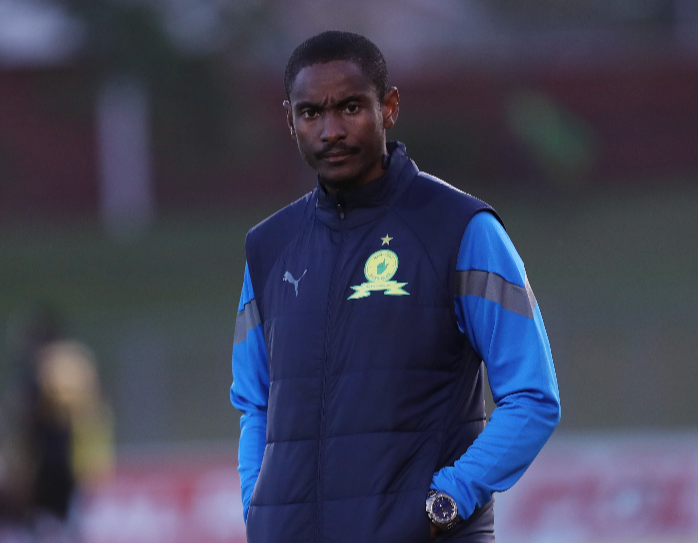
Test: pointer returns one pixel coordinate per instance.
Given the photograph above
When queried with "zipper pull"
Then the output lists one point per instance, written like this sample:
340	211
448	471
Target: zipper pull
340	209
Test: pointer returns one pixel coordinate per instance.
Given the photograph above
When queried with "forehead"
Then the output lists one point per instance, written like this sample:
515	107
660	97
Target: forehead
330	80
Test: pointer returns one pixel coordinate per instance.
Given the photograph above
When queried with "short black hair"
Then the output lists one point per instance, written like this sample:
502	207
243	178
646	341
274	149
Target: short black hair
336	45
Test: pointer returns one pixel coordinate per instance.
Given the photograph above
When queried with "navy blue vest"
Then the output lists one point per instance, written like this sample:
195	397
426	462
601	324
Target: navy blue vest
373	386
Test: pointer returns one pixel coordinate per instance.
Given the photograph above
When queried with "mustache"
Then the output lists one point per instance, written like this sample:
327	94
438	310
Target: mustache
337	148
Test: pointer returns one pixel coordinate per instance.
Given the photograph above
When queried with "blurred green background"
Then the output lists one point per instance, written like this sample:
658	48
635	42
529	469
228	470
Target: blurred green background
614	273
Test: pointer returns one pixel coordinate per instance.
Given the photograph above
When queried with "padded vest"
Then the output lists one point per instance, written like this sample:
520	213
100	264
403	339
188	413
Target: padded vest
369	395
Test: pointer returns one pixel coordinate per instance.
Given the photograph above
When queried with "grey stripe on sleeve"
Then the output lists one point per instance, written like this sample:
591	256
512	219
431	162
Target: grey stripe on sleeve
495	288
247	320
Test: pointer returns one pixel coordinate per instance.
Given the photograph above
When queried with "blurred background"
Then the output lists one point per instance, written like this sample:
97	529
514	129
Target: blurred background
141	139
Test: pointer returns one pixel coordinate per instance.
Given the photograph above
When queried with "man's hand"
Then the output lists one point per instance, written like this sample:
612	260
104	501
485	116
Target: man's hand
434	529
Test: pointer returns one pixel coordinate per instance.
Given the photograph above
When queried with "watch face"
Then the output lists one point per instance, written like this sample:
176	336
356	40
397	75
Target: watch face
442	509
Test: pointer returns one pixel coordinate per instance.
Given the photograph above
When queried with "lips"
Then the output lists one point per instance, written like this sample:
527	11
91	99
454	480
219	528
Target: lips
336	157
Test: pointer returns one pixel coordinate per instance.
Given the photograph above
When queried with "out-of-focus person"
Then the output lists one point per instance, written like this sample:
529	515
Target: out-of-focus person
55	428
70	389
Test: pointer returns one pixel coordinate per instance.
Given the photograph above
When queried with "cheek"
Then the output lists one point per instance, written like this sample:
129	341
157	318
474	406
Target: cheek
303	138
305	147
367	129
305	130
377	124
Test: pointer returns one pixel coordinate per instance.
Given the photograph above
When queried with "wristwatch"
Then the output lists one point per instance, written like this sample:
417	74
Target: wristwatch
441	510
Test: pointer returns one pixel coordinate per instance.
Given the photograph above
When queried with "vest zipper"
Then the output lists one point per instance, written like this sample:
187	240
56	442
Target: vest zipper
328	343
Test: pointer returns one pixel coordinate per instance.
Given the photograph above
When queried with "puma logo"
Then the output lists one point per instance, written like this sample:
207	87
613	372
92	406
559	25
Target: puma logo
288	277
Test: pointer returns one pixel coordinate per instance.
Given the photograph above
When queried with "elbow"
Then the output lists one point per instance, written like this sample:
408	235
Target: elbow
558	415
545	409
553	412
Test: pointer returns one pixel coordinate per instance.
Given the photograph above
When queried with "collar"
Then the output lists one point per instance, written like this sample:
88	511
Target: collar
363	203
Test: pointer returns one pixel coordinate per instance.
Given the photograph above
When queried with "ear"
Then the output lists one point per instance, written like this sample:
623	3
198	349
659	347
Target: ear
289	118
390	107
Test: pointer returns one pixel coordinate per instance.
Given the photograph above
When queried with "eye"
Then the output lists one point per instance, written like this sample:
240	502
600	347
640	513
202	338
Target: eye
352	108
309	113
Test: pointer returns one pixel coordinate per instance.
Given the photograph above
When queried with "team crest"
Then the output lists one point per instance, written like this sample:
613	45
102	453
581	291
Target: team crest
379	270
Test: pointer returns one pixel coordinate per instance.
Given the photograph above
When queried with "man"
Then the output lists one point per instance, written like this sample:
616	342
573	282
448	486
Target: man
367	310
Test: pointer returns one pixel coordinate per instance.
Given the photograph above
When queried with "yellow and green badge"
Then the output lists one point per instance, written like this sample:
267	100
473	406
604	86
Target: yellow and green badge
379	270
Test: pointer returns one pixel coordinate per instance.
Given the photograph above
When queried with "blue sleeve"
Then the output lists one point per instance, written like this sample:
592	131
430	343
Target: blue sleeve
250	390
498	312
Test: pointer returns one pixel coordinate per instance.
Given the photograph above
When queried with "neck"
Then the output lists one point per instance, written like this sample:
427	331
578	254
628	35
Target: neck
334	187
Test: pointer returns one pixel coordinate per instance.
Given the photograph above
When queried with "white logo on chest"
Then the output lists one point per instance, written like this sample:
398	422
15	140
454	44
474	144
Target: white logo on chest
288	277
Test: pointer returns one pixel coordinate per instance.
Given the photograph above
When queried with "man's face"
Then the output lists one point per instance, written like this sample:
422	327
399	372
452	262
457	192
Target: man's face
339	123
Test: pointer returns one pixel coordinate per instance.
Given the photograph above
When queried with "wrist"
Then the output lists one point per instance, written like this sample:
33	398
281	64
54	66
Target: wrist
441	510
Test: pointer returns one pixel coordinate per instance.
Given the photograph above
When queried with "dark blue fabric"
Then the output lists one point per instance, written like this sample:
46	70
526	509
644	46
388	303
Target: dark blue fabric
368	397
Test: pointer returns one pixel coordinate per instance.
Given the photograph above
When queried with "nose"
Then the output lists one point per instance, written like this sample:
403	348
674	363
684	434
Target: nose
333	129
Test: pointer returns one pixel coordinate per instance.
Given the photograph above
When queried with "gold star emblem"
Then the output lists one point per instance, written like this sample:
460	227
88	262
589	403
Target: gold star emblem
386	240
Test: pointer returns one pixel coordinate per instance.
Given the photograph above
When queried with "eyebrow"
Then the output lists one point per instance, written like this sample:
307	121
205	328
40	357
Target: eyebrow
343	102
349	99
